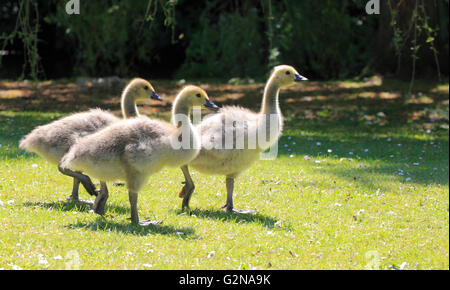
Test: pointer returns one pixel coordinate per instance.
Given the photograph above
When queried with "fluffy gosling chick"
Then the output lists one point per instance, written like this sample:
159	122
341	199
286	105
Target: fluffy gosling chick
240	123
53	140
134	149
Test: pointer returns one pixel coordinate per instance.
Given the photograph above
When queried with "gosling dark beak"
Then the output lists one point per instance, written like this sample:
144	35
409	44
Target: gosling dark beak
211	105
155	96
299	78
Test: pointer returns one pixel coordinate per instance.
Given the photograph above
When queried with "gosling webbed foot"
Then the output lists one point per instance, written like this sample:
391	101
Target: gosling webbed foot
149	222
72	198
230	209
185	208
241	211
229	205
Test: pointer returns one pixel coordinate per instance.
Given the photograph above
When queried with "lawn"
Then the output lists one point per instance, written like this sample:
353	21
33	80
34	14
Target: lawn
360	182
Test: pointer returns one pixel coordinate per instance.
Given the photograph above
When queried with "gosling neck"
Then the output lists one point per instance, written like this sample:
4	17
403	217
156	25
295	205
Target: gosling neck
128	104
180	111
270	99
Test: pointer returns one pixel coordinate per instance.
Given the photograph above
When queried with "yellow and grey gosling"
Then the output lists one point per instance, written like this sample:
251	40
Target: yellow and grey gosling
134	149
53	140
213	129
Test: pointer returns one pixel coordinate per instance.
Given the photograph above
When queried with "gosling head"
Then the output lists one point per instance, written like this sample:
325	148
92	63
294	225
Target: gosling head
286	76
195	96
142	90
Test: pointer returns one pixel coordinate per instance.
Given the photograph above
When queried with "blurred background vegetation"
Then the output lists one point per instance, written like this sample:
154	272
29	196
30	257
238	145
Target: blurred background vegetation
327	39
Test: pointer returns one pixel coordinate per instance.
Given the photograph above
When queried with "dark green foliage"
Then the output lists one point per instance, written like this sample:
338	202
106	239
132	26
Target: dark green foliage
113	37
231	47
325	39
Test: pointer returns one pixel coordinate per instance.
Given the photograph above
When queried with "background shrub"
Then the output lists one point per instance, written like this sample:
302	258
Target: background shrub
326	39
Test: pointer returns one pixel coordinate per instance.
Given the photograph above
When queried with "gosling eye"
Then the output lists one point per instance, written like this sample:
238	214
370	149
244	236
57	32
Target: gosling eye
146	88
288	72
198	95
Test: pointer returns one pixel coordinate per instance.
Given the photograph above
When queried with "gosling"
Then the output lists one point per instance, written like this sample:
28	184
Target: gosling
132	150
52	141
213	159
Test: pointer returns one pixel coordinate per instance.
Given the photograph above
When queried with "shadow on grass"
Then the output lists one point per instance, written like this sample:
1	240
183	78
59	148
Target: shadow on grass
221	215
61	205
81	206
103	224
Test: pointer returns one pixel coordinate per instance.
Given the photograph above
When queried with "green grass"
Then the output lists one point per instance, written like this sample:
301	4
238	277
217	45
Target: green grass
386	205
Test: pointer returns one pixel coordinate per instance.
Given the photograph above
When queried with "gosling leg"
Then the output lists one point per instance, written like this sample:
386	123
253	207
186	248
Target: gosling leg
76	186
133	197
100	201
84	179
229	205
187	190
